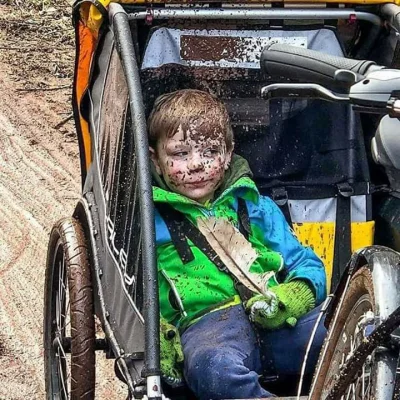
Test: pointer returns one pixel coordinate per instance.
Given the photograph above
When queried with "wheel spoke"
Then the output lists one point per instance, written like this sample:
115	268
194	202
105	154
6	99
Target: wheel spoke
62	304
61	278
66	319
61	377
359	388
60	347
58	312
62	287
352	335
62	309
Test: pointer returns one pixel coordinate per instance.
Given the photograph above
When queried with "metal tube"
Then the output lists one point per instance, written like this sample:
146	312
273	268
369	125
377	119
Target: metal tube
123	37
255	14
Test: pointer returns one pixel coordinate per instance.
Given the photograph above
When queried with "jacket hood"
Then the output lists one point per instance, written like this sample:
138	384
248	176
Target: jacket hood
238	168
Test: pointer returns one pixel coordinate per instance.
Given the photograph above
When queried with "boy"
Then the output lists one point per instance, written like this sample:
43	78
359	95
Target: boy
198	178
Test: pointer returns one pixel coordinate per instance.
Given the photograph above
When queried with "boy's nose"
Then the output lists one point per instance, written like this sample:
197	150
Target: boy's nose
196	163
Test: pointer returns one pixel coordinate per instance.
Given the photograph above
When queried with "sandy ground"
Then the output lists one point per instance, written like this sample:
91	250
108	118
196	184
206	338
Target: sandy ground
39	183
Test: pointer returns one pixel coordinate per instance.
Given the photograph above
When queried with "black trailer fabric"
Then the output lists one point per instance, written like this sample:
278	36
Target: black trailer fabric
113	183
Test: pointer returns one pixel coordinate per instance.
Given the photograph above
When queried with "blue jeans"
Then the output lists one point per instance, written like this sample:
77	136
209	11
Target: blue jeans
224	358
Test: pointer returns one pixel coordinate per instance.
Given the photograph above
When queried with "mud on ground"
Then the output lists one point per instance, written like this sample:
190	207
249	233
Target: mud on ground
39	182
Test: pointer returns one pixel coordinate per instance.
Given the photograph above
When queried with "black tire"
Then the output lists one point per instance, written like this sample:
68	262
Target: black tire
352	318
69	325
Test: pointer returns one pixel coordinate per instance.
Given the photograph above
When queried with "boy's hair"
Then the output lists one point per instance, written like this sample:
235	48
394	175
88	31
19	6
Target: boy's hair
186	108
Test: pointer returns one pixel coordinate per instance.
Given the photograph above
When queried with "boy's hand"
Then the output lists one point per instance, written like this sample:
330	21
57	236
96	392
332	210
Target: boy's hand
171	355
293	300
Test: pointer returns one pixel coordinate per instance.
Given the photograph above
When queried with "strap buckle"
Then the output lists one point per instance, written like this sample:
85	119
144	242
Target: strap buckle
345	189
280	196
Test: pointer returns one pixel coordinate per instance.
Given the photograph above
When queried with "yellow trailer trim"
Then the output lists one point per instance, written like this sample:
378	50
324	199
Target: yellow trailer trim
320	236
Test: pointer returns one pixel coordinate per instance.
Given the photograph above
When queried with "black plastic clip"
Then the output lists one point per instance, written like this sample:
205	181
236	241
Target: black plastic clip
345	189
280	196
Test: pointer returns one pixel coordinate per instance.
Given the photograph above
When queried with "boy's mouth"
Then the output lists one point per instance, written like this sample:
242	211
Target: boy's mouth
200	182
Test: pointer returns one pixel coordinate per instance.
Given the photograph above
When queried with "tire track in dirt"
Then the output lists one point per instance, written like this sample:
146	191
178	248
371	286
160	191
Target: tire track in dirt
39	183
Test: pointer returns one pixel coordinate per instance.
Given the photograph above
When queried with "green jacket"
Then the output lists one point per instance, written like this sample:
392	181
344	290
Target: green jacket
187	290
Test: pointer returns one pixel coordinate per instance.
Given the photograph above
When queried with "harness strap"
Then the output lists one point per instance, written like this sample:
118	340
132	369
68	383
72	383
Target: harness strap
303	191
175	223
243	218
280	197
181	229
342	246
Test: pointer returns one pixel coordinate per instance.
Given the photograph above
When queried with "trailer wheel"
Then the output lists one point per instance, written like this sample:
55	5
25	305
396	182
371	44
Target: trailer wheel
69	327
355	318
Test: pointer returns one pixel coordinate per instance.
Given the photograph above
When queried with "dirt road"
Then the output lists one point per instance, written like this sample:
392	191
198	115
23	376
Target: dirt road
39	183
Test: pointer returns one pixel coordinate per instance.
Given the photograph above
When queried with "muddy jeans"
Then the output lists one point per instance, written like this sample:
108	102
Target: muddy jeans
222	353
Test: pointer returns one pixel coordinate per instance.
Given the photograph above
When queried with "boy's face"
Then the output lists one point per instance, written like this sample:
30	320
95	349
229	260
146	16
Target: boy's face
192	164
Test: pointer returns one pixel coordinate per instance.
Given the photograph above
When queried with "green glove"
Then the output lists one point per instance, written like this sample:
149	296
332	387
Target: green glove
291	301
171	354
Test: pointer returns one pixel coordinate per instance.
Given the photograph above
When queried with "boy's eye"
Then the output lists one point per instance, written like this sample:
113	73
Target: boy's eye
211	152
181	153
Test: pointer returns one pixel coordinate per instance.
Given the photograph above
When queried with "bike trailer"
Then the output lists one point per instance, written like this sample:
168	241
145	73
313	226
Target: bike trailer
312	157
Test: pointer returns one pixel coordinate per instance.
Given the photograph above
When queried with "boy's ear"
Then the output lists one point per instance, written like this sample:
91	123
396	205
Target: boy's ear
154	159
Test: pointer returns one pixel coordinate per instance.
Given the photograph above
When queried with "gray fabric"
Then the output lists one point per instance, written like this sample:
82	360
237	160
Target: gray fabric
324	210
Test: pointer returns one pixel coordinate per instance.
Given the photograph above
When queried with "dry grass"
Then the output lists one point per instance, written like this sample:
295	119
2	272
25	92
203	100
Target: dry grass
37	41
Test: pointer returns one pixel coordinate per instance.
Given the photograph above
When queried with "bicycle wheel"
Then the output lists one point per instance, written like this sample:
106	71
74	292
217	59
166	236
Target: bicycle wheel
69	328
355	319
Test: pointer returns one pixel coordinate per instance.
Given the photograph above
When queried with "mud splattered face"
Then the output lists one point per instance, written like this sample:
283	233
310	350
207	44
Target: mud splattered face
191	163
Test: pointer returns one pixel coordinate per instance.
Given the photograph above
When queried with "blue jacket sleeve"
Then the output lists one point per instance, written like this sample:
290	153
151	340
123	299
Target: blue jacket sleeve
301	262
